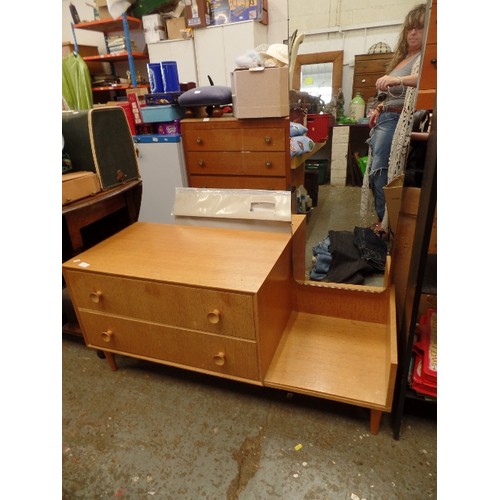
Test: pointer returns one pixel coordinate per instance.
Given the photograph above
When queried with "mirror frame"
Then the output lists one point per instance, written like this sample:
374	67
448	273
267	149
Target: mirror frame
336	57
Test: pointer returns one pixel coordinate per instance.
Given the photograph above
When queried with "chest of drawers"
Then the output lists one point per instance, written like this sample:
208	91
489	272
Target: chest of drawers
215	311
368	68
237	154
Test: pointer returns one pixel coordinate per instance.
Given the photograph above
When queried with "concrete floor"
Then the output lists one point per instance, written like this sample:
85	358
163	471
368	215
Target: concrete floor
149	430
152	431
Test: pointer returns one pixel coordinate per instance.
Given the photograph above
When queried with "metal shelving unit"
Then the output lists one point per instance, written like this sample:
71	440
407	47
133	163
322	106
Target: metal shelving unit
107	26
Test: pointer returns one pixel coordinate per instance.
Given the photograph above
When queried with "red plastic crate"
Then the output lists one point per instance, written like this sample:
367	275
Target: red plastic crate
318	127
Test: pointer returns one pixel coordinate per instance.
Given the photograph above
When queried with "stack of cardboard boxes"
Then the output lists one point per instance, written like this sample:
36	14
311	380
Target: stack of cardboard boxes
200	14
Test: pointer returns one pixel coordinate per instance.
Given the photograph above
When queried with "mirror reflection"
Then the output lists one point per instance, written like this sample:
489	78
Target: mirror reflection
316	79
363	40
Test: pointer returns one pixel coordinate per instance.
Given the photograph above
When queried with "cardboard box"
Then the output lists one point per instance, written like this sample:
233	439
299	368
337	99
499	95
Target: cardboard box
261	93
78	185
174	27
154	29
248	10
393	193
102	7
398	206
197	13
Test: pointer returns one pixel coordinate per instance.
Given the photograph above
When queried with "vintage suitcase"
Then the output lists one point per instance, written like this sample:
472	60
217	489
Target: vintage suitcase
78	185
99	140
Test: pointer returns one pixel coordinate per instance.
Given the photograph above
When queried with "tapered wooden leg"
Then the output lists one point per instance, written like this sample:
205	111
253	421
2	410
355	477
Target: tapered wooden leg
110	357
375	417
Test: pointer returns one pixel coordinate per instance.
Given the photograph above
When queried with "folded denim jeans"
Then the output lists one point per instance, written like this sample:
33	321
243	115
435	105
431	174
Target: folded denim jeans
371	248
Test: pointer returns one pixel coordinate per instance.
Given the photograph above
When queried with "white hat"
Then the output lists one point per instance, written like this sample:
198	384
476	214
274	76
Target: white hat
276	51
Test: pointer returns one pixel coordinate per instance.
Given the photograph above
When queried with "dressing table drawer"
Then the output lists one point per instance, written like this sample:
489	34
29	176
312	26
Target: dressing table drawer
196	350
224	313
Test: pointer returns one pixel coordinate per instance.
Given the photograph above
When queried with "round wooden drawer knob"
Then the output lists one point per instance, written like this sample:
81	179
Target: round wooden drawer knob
96	296
214	316
199	140
201	163
106	335
220	359
267	139
268	164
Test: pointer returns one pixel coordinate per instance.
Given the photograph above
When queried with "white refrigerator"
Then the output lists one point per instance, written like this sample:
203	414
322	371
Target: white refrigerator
162	169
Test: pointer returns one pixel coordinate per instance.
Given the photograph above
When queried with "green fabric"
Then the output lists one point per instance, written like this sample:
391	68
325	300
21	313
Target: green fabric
76	84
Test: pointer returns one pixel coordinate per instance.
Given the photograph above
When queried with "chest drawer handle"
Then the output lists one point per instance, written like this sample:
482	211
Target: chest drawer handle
363	80
268	139
214	316
201	163
268	164
199	140
220	359
106	335
96	296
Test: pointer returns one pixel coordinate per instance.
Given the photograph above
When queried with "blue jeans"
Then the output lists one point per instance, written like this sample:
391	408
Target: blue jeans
380	142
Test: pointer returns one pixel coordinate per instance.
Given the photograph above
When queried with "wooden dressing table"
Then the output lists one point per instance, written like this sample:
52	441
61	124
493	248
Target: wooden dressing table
224	302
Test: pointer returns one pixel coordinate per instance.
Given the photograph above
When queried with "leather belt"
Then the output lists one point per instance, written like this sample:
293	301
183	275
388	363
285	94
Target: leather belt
391	109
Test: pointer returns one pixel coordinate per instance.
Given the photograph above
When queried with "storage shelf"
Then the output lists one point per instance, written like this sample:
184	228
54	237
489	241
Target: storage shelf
110	25
122	24
118	87
117	57
334	358
297	161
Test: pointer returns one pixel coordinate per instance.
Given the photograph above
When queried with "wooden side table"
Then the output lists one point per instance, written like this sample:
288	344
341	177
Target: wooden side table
124	200
84	212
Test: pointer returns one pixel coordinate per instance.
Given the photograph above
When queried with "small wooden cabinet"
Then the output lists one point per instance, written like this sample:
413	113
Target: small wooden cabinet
368	68
237	154
224	302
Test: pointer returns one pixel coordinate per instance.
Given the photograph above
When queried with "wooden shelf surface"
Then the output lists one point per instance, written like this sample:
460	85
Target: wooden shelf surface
110	25
334	358
297	161
118	87
116	57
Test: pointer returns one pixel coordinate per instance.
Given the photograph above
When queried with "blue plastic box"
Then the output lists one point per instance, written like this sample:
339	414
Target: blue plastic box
154	114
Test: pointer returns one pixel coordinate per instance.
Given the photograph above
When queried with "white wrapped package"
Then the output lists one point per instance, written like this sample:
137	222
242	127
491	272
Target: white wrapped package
254	209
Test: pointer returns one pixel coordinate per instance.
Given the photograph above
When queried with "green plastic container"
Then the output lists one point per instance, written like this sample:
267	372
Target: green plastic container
321	166
362	162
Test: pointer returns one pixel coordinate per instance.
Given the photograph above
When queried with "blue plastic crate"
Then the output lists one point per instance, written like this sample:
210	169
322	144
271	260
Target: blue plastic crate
154	114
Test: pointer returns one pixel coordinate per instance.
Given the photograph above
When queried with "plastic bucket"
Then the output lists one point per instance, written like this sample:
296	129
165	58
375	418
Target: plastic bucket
170	76
155	78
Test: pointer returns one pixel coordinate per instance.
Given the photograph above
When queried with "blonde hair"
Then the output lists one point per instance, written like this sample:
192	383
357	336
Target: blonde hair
416	17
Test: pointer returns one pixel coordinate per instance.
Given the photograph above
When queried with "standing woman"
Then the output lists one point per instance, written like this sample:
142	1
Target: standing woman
384	117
